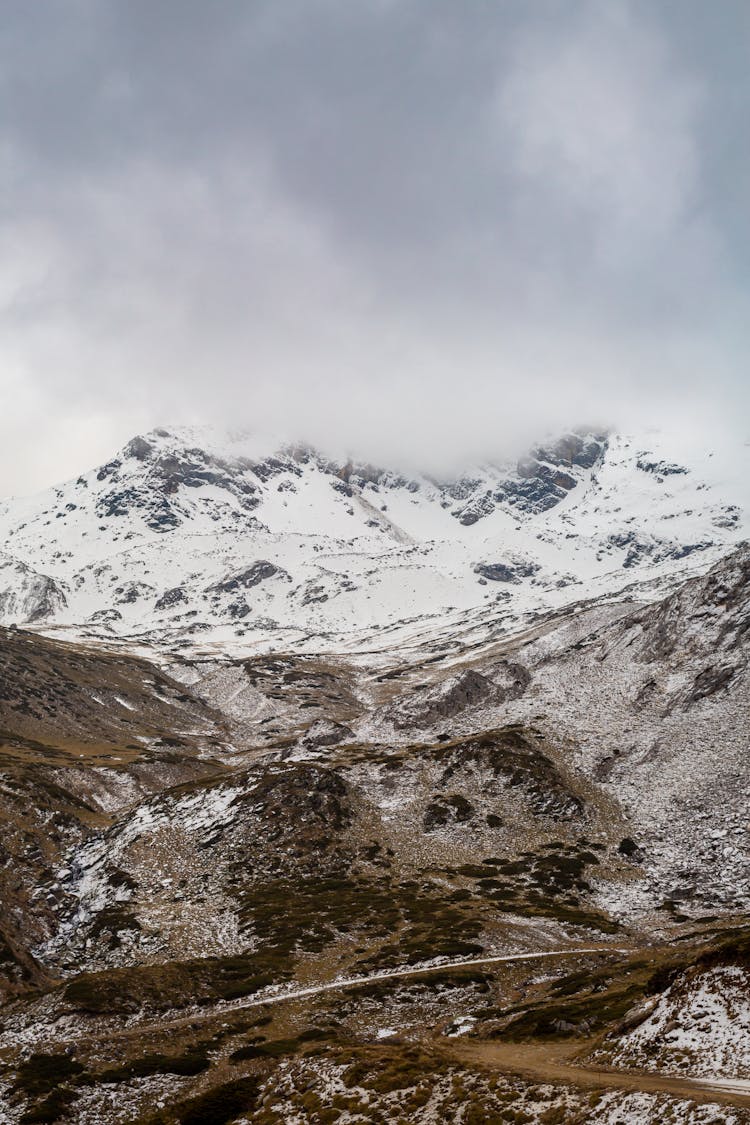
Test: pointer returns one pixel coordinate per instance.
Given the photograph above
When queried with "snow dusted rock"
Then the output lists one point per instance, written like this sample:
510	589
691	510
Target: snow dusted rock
506	572
654	702
705	617
325	733
27	597
699	1026
102	886
428	706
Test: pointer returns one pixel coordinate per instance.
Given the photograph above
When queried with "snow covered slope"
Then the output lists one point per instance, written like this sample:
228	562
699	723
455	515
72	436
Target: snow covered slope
700	1025
190	534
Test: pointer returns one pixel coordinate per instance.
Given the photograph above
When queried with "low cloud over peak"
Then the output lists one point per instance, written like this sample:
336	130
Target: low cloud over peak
415	230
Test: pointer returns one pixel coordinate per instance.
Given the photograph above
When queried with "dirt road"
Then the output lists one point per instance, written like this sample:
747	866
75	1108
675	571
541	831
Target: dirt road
559	1062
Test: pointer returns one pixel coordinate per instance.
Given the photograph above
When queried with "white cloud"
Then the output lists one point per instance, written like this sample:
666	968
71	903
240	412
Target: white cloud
391	228
603	123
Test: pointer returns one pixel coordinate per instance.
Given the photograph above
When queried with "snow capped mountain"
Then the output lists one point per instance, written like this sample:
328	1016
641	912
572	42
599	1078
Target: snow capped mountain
189	534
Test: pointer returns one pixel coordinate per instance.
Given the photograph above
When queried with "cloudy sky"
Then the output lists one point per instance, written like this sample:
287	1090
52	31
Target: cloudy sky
417	228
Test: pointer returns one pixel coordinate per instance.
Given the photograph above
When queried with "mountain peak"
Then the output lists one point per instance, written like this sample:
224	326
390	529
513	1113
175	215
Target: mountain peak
149	543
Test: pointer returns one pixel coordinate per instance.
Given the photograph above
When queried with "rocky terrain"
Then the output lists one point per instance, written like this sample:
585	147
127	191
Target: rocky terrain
487	863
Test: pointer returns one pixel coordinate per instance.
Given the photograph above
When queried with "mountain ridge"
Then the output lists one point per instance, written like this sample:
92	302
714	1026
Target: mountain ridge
189	535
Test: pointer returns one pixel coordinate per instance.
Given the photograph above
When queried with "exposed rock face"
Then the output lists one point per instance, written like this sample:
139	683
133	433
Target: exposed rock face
430	706
706	616
574	449
323	733
171	598
26	596
511	680
246	579
133	592
517	758
546	475
445	811
506	572
478	507
711	680
156	498
537	494
539	483
661	468
700	1025
275	466
302	804
639	548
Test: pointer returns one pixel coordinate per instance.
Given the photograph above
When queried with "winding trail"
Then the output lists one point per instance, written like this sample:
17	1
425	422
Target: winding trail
539	1062
556	1062
337	985
393	974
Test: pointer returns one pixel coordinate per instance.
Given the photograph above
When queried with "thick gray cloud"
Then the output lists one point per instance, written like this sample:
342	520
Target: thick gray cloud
410	227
